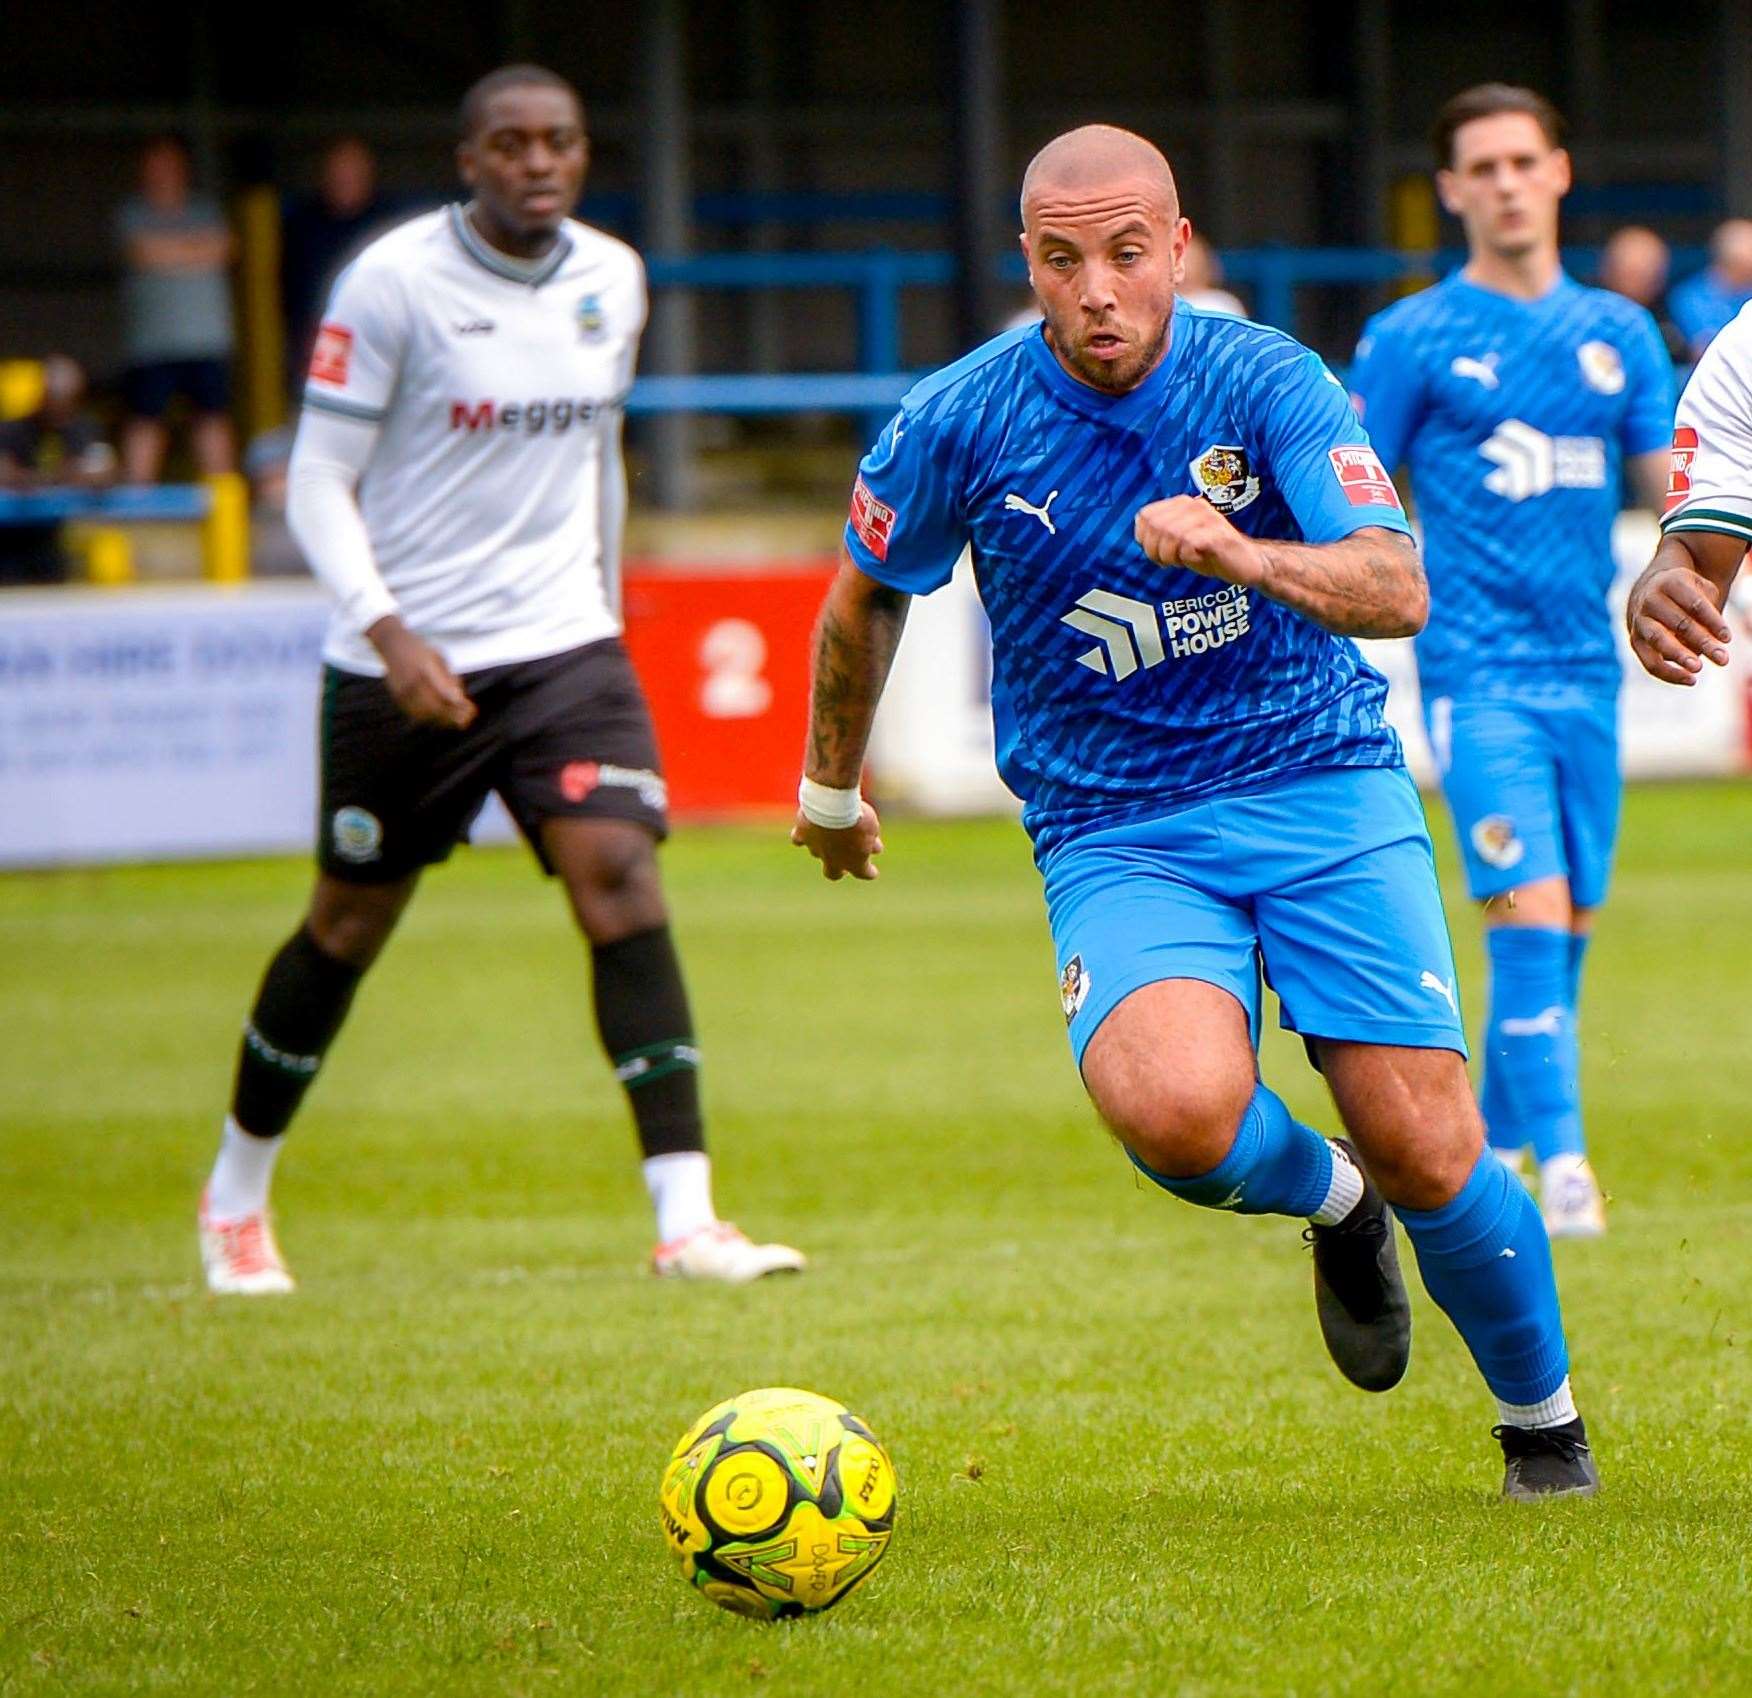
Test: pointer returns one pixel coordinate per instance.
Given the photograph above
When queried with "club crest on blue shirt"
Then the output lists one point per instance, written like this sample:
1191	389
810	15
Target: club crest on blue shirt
1225	477
1073	988
1496	842
592	320
1602	367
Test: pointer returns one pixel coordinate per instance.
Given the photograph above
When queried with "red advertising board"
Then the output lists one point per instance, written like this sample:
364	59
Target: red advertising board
724	658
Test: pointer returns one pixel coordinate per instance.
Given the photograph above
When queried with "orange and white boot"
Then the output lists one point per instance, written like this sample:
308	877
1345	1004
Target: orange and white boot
241	1257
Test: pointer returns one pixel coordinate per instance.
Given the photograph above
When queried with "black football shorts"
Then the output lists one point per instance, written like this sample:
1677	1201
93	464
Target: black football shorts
566	736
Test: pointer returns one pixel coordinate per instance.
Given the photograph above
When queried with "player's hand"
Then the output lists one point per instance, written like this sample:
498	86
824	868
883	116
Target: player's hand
850	850
1186	530
1675	625
419	679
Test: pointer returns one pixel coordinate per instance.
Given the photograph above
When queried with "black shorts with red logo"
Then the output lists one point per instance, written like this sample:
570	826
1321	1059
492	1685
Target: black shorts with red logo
566	736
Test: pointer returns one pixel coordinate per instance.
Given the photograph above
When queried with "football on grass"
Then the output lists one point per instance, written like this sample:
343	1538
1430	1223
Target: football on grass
778	1502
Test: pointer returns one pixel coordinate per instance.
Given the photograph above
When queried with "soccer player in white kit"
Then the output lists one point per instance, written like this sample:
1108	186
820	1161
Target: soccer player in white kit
1674	615
457	484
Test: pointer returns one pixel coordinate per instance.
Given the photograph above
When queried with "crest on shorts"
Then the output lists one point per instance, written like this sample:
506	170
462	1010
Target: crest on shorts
1224	476
1495	840
592	320
1602	366
357	835
1073	988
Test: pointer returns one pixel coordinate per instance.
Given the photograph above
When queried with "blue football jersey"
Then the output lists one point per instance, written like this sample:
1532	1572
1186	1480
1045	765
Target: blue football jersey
1120	687
1514	418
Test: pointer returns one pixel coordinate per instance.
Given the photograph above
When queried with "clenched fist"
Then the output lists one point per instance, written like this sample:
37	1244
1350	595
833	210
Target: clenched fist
1186	530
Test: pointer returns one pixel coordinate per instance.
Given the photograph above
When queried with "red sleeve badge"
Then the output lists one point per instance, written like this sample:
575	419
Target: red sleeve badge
1679	466
1363	478
332	355
872	521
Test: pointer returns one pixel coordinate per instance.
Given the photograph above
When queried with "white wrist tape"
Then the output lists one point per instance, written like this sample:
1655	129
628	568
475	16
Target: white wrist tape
827	807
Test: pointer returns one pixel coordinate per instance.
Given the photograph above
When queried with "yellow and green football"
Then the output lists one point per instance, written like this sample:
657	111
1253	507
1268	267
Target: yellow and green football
778	1502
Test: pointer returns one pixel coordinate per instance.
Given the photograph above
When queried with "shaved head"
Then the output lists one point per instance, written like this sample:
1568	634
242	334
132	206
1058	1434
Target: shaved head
1077	166
1105	245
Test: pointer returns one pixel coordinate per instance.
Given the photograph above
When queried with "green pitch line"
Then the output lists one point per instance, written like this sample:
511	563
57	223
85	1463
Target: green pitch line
1125	1463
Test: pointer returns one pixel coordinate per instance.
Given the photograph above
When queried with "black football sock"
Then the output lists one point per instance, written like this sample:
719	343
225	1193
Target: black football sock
304	998
642	1014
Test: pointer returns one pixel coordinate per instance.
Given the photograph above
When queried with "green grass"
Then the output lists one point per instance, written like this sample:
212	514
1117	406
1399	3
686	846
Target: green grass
1125	1463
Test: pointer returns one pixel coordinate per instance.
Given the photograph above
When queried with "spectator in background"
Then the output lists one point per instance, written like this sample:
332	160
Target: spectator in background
176	302
1703	304
57	446
321	233
1201	285
1634	263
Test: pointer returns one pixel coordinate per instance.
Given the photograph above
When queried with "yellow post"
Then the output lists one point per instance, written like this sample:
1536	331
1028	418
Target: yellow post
1413	224
225	535
263	316
108	552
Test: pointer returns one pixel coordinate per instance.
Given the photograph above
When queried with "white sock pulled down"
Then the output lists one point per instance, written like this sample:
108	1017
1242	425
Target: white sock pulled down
242	1173
681	1193
1345	1191
1553	1411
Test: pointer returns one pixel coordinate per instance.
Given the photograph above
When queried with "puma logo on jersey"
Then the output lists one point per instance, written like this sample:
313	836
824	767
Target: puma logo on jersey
1443	988
1019	504
1480	371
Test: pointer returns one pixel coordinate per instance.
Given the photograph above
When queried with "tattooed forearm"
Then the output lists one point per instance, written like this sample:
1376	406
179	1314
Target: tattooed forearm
1370	585
855	639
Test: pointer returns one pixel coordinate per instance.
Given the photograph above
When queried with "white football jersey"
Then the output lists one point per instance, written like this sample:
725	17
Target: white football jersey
495	386
1709	486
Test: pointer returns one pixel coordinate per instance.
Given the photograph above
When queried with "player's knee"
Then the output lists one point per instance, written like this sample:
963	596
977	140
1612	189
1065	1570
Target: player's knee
1544	903
353	925
1179	1128
1429	1171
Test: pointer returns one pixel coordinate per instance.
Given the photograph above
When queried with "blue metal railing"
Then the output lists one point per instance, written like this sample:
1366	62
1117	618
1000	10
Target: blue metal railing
1271	275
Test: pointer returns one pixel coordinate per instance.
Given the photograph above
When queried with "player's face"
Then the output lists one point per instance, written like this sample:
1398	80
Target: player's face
1505	184
1103	264
526	161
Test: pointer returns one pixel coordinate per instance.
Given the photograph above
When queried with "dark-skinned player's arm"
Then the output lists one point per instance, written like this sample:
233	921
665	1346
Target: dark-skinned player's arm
856	635
1369	584
1674	613
352	377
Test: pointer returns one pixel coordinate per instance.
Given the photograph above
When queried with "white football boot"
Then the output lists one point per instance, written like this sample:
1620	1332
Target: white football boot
1570	1198
723	1252
240	1256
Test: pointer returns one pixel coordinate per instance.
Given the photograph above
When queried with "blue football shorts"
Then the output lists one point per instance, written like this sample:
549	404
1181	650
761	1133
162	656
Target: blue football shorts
1325	879
1533	787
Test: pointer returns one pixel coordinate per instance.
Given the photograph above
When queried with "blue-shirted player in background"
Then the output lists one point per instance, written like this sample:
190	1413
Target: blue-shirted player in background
1176	522
1514	395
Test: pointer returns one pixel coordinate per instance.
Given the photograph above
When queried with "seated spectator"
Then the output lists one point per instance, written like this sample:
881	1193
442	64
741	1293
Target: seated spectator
320	234
57	446
1706	303
1201	282
1634	264
176	301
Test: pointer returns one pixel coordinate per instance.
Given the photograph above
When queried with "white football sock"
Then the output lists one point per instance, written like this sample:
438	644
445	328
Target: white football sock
1345	1191
1553	1412
241	1175
681	1192
1511	1159
1557	1168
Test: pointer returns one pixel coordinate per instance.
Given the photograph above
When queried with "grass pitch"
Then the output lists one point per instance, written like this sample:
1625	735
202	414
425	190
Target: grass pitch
1126	1465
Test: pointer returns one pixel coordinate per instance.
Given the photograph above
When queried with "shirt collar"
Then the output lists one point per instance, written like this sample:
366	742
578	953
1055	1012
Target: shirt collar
534	272
1135	405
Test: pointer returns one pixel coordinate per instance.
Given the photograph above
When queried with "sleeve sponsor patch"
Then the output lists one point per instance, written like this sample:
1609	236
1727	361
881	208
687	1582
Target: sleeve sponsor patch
1679	466
332	355
871	520
1363	478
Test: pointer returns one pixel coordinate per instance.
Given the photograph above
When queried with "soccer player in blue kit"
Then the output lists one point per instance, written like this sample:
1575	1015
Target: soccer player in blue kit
1176	522
1514	395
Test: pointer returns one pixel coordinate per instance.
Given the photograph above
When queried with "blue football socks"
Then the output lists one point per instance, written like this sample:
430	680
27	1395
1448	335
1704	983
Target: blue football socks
1486	1261
1531	1091
1276	1166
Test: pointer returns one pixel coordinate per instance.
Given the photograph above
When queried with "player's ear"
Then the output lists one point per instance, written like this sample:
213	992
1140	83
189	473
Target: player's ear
1445	192
465	162
1561	164
1181	239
